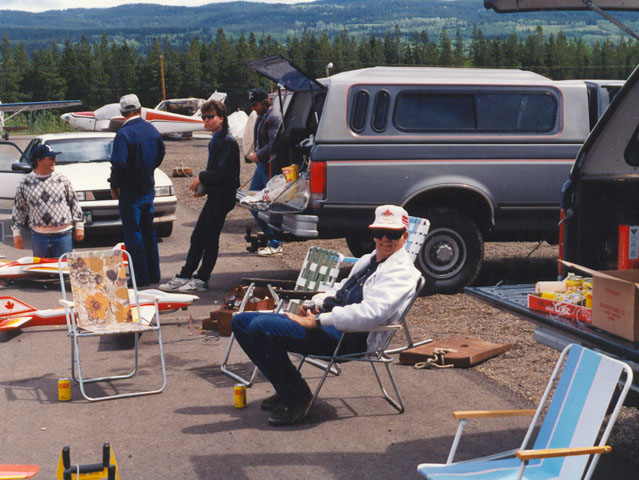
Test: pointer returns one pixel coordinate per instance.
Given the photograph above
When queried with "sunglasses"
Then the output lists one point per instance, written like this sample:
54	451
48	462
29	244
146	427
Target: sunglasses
208	117
379	233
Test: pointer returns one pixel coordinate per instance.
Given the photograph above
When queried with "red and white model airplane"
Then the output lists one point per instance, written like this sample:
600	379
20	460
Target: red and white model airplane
16	314
108	118
28	268
20	107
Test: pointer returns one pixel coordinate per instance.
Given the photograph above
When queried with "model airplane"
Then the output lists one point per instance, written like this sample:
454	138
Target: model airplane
16	314
28	268
20	107
108	118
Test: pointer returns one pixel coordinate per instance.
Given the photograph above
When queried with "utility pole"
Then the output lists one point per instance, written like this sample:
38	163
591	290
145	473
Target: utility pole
162	75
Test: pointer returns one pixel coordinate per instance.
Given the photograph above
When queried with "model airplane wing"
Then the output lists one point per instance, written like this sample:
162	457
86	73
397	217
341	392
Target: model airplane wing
18	471
14	324
30	106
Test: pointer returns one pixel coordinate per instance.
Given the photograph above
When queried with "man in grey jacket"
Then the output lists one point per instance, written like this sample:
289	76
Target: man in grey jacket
374	294
267	124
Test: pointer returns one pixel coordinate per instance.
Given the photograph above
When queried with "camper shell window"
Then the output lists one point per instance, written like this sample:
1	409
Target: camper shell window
380	110
358	114
476	112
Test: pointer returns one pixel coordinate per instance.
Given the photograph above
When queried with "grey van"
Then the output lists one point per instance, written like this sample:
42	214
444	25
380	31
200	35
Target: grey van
481	153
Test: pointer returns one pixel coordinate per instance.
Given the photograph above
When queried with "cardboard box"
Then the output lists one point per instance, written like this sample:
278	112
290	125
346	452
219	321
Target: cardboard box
615	301
563	309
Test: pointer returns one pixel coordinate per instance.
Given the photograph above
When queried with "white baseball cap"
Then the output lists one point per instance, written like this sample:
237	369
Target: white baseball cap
129	102
390	217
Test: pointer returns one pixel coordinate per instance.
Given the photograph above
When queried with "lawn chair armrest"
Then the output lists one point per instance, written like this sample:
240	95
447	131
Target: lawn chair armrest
296	294
526	455
66	303
465	414
385	328
264	282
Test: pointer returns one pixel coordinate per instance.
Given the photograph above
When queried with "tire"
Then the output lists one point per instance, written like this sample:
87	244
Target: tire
360	243
164	229
453	252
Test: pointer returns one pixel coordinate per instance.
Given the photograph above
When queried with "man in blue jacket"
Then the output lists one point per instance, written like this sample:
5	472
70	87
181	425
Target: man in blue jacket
137	150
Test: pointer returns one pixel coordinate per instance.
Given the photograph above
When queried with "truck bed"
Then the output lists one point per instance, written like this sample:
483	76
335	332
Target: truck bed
553	330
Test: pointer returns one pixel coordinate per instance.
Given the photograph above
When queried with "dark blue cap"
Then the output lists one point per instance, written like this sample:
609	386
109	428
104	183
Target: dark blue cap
42	151
257	95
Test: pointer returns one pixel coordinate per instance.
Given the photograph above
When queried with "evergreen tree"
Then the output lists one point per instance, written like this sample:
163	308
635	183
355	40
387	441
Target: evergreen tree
445	50
44	81
10	76
458	51
149	87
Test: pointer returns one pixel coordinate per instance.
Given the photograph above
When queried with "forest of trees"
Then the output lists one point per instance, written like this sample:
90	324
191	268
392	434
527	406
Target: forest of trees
99	73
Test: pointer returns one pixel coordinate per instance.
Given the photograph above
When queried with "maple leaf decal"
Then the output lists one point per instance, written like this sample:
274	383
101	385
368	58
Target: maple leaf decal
9	305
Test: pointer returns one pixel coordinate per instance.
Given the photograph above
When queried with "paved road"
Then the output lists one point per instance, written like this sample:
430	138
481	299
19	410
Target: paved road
192	429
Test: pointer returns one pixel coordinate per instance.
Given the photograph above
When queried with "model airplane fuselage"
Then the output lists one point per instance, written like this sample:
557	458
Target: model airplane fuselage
16	314
30	267
109	119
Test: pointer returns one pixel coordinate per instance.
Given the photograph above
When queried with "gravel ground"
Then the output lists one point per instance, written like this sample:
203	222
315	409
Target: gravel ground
524	369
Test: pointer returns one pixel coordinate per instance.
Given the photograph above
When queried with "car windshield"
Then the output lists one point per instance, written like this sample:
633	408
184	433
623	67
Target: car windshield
82	150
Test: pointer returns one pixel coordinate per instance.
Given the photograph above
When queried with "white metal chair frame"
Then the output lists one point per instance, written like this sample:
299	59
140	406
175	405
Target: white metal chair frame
375	357
76	331
320	268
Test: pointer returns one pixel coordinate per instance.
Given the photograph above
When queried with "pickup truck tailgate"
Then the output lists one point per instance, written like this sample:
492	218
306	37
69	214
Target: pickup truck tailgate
556	331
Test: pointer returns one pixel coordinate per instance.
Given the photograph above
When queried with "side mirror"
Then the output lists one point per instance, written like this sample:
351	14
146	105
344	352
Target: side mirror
21	167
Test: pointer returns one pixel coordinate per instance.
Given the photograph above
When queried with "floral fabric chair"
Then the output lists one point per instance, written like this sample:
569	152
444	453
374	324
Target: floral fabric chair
99	286
103	305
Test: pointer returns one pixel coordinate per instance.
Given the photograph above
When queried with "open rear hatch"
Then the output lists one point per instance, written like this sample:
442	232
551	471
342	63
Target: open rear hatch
282	71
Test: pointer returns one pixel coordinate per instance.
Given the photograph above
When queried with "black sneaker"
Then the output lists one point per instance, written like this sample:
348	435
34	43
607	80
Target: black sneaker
269	403
288	413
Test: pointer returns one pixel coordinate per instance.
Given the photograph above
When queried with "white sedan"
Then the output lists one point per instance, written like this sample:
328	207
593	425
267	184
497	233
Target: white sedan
84	159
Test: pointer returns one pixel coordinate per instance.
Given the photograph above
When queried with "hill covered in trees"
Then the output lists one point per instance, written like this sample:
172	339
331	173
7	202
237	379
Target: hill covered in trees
100	72
139	23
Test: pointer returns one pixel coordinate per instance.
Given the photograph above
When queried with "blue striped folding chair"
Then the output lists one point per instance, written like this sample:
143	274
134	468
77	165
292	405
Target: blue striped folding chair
574	431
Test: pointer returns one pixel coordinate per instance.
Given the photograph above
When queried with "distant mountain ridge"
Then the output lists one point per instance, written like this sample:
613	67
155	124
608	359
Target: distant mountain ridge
138	22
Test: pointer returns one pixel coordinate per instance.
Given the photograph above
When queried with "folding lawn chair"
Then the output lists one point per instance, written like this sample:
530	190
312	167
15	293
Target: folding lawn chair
320	269
570	438
101	306
378	356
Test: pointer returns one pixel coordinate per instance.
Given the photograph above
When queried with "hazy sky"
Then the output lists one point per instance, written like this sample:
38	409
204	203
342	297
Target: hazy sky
42	5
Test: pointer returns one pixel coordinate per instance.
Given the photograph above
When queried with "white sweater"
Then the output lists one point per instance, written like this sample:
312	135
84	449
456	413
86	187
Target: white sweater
385	294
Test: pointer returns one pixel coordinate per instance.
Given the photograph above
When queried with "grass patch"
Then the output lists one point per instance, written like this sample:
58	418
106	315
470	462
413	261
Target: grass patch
39	122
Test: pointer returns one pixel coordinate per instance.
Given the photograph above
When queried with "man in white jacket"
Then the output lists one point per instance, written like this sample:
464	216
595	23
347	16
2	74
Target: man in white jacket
373	294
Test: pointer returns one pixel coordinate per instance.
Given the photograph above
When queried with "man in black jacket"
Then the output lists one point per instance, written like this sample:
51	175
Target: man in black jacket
218	182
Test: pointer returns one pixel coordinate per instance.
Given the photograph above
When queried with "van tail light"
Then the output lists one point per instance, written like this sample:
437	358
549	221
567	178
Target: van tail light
318	181
562	232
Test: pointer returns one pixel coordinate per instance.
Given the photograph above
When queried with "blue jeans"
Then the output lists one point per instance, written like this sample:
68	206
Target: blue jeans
258	182
136	212
267	337
51	245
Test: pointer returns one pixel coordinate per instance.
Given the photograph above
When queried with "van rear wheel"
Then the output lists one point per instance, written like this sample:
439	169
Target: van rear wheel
453	251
